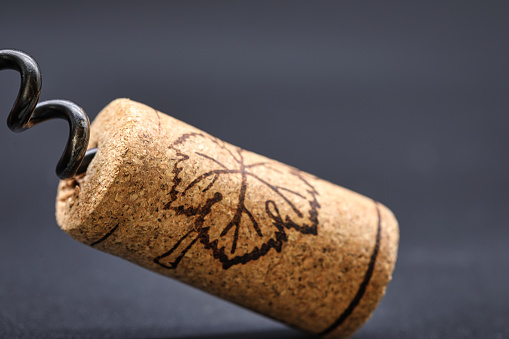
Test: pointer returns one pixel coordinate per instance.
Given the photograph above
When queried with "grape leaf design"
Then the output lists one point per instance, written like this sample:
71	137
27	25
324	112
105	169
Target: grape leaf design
221	199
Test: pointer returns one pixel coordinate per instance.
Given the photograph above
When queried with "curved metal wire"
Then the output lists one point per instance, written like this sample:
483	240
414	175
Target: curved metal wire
26	113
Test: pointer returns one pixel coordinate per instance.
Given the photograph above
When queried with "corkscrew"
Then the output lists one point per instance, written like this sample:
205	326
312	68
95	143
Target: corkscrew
27	112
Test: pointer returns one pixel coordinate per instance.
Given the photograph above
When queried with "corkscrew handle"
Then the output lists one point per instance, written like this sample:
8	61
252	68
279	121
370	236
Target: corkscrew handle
27	113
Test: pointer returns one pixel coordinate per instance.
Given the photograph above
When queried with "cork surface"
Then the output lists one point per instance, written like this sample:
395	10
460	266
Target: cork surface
246	228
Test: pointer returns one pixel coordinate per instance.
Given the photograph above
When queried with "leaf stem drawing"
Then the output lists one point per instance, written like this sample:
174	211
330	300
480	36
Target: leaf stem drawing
269	228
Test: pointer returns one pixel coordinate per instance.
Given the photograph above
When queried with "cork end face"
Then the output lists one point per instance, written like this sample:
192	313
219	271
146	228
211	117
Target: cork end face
78	198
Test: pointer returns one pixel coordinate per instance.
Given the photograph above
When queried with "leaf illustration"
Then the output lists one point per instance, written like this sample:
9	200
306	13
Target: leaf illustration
239	210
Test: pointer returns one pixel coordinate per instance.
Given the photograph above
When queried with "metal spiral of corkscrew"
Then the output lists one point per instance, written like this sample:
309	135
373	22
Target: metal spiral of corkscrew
27	113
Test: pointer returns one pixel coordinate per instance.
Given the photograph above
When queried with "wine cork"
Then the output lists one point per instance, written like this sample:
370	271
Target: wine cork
279	241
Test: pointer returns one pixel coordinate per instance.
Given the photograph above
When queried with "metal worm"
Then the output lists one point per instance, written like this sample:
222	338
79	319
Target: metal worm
27	113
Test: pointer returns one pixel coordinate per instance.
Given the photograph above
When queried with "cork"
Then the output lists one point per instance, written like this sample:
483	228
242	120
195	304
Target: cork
261	234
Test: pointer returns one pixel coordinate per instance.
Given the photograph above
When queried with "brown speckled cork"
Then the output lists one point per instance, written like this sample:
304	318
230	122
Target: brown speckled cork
246	228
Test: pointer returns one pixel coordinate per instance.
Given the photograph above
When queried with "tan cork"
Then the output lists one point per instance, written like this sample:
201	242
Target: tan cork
264	235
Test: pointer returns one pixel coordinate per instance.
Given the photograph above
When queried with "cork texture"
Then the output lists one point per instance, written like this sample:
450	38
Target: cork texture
180	202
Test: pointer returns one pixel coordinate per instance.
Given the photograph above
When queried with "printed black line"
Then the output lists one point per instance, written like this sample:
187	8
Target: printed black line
105	236
237	218
158	120
362	288
210	158
180	256
276	190
257	164
211	183
253	221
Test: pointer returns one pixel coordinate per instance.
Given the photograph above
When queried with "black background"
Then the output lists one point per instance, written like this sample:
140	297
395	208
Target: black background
403	102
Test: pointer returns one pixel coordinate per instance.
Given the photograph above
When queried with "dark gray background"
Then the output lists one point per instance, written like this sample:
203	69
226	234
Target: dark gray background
403	102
